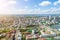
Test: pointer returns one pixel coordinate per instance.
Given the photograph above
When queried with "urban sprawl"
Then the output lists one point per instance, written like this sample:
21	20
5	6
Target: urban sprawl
29	27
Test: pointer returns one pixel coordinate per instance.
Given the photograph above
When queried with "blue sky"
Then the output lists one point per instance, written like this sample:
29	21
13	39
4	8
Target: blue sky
30	7
33	3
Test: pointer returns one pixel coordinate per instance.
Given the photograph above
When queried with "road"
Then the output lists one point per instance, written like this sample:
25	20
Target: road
18	35
15	36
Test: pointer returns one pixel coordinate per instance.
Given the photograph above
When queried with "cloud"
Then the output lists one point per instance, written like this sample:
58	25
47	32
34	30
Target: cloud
44	3
39	11
32	11
7	6
12	2
55	3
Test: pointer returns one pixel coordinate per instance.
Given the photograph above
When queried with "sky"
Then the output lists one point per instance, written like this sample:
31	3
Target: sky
29	7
